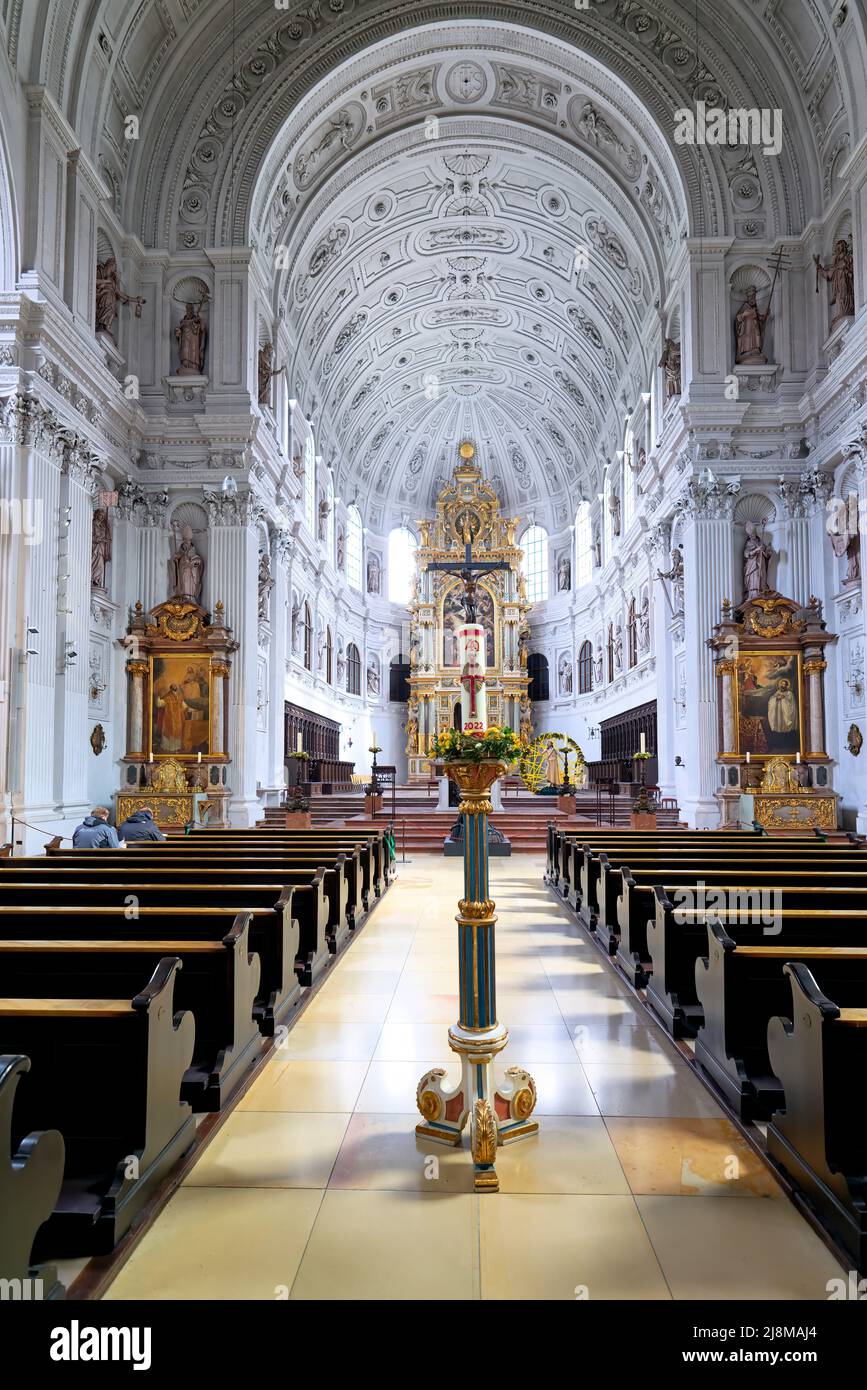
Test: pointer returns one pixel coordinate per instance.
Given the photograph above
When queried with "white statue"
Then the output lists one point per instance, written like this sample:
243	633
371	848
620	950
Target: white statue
187	568
757	553
565	675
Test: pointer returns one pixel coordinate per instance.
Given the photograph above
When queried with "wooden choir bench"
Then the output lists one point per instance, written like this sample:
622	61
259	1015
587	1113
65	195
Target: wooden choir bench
106	1073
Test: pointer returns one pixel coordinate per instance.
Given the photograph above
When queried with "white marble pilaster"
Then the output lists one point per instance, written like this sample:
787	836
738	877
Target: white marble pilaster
233	580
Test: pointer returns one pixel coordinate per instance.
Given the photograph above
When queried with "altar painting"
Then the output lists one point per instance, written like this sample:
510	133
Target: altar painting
453	618
180	706
769	696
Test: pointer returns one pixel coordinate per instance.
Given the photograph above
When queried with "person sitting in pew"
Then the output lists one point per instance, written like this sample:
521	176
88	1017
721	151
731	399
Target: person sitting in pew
141	826
95	831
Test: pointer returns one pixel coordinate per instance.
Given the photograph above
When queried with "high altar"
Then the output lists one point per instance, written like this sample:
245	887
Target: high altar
770	667
468	508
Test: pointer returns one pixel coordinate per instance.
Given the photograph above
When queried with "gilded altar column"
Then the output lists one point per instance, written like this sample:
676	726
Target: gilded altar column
813	668
220	671
137	731
727	670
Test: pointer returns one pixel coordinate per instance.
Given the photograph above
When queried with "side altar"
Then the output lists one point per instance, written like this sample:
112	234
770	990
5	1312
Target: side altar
770	668
177	739
467	513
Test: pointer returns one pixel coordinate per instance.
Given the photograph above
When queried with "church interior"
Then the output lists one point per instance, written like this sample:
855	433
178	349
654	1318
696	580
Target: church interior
433	611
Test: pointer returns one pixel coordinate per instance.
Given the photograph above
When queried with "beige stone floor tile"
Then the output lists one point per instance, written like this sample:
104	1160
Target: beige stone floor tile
324	1041
540	1008
382	1152
679	1156
561	1088
722	1249
267	1149
404	1042
433	1008
672	1092
391	1246
570	1155
566	1248
367	981
219	1244
298	1085
544	1042
390	1087
421	984
637	1047
347	1008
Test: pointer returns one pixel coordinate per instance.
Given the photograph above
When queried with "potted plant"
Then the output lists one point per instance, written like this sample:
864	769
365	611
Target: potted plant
476	761
297	805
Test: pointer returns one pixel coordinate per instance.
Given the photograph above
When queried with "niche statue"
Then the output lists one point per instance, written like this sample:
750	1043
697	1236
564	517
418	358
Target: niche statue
187	568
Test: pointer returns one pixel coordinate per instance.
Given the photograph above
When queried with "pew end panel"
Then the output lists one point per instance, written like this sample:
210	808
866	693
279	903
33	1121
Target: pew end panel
670	985
631	953
29	1187
819	1138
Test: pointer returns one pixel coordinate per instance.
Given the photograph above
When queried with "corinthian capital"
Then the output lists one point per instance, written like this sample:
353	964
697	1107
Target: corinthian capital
26	422
233	509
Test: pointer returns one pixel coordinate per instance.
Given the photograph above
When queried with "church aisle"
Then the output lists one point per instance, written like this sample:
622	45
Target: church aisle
637	1186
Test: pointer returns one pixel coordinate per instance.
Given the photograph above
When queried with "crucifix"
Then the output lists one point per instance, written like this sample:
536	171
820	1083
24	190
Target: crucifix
471	635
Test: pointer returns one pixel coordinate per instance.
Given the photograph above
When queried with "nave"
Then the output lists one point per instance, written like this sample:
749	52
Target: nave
314	1187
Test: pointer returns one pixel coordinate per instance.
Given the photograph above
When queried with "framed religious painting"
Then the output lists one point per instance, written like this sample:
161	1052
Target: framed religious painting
181	698
769	691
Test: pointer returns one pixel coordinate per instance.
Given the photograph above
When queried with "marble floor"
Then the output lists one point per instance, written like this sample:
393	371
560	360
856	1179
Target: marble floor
636	1187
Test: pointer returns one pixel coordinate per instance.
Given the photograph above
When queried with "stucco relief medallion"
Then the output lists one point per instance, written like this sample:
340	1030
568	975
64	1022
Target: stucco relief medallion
466	82
336	135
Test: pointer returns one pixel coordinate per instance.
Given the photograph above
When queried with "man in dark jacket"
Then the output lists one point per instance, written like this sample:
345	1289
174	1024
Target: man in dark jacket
95	831
141	826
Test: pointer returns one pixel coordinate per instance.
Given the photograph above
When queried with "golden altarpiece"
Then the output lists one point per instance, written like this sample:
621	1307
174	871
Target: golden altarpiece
770	664
467	508
177	749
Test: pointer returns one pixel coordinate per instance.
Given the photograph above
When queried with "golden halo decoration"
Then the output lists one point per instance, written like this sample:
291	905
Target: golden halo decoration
533	763
467	450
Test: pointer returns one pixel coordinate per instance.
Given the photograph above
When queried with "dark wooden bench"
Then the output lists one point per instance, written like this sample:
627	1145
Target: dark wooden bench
818	1049
95	951
317	915
742	987
676	942
106	1073
741	883
31	1176
360	856
568	847
276	939
340	837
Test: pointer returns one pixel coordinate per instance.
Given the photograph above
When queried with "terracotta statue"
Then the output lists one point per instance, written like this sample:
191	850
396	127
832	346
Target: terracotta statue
750	331
108	292
100	548
670	364
191	336
266	371
757	553
846	542
187	567
840	274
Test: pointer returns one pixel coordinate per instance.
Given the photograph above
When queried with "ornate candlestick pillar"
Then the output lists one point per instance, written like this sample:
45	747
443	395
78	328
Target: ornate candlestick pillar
501	1114
137	732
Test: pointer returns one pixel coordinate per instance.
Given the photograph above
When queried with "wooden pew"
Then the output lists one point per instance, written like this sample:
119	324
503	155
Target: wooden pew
741	987
348	901
604	897
100	946
340	836
310	906
675	943
818	1049
276	939
30	1182
739	881
107	1075
560	846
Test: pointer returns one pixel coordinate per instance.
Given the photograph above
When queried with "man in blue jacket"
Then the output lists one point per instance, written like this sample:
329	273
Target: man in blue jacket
141	826
95	831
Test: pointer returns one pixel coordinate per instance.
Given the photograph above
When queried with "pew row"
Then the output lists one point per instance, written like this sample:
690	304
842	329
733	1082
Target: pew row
818	1049
31	1176
81	952
107	1075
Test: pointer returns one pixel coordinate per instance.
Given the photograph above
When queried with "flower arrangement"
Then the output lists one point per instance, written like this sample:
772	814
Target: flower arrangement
497	743
641	757
300	756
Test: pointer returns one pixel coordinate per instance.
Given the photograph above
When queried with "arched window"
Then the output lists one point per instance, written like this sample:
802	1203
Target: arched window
353	670
537	669
354	548
632	634
310	485
583	546
585	668
402	546
329	533
308	638
535	545
329	654
611	651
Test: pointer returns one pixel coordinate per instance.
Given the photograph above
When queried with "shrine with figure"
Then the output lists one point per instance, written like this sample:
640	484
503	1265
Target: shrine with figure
468	643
